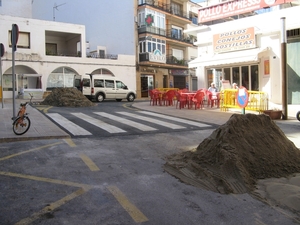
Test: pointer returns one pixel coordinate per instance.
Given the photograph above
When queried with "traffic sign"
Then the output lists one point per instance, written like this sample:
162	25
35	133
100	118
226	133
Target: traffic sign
242	97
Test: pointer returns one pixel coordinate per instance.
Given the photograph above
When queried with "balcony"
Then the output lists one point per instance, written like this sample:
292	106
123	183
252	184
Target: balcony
152	30
166	8
170	60
101	56
182	38
174	61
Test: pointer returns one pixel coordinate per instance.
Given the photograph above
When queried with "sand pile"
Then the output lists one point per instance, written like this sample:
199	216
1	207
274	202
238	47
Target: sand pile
70	97
231	160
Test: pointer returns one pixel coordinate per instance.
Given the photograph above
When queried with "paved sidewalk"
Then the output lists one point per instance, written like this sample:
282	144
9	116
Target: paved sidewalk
41	127
44	128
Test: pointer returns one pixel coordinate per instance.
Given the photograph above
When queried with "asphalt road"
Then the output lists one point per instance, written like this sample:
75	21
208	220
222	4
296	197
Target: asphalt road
116	179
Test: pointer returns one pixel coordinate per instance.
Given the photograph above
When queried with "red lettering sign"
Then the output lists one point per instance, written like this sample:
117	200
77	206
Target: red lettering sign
236	7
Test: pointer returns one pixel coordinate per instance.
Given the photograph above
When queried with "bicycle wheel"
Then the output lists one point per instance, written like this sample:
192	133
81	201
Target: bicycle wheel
21	126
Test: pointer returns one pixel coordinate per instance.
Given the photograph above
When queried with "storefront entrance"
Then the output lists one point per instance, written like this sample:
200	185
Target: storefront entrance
147	82
245	75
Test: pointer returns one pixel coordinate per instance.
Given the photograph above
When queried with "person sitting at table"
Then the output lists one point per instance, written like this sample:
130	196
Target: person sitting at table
212	88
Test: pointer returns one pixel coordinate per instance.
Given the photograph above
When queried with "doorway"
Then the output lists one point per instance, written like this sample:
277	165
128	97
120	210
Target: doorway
147	82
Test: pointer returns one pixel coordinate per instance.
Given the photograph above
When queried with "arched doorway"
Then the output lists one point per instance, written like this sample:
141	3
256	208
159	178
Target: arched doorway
61	77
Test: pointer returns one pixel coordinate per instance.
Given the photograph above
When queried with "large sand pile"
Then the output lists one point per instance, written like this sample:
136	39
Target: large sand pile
231	160
70	97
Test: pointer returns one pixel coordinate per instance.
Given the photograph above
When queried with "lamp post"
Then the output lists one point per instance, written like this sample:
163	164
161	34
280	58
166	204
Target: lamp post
283	70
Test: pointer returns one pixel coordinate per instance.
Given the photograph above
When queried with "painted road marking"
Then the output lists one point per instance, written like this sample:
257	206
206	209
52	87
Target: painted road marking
133	211
70	142
159	122
68	125
126	121
43	179
89	162
51	207
44	108
193	123
30	150
105	126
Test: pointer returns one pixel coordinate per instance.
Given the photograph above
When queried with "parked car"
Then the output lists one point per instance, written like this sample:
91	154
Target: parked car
101	87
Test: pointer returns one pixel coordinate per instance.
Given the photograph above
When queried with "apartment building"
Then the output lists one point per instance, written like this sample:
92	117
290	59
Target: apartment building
163	49
243	45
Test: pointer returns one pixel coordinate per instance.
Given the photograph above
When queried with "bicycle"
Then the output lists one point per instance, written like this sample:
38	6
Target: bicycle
21	123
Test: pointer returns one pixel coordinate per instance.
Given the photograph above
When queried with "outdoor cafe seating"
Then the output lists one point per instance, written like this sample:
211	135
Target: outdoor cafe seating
184	98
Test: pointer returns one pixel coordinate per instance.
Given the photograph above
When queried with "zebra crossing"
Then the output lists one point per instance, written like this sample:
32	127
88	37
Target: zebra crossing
143	121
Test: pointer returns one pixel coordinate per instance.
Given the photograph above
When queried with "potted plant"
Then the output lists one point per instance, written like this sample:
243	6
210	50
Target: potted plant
275	114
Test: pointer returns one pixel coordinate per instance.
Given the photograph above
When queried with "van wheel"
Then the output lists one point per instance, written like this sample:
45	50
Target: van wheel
100	97
130	98
118	100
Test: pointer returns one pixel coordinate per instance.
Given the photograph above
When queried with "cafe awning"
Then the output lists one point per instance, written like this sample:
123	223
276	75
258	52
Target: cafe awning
249	56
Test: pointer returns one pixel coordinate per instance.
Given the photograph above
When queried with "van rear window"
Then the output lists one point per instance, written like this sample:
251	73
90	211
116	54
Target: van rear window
86	82
98	83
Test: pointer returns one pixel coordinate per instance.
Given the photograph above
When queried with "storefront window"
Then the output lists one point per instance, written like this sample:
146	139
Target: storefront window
254	78
226	74
245	77
236	75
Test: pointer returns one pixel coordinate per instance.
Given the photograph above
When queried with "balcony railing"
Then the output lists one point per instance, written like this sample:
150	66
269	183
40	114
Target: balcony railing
152	30
174	61
144	57
64	53
183	37
104	56
166	8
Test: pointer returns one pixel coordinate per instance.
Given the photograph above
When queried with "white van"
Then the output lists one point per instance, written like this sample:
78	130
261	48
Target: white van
100	87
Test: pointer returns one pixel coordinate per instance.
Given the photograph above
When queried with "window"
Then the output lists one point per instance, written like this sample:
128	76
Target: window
120	84
109	84
176	32
51	49
152	45
102	54
178	54
98	83
175	8
23	40
86	82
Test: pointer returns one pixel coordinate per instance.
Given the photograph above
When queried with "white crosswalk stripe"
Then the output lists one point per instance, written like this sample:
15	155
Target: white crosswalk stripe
193	123
68	125
149	117
131	123
105	126
151	120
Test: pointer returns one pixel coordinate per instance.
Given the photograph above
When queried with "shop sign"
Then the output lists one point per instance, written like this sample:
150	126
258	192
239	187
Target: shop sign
180	72
233	8
234	40
157	56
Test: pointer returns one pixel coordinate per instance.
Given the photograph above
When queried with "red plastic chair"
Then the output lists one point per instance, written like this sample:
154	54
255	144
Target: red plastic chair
181	100
168	97
198	100
154	97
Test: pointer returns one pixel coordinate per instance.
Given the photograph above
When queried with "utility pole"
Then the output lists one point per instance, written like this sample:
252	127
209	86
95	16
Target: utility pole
284	71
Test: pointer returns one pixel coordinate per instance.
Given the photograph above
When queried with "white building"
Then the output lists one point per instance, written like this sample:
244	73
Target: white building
248	51
50	53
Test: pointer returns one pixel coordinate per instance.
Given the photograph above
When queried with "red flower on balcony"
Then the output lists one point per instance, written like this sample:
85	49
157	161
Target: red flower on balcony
149	20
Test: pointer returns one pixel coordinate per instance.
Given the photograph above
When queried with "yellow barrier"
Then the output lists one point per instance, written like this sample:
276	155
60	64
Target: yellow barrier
258	100
167	89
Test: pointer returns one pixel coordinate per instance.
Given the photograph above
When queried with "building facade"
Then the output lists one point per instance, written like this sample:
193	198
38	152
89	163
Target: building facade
248	51
163	50
49	54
